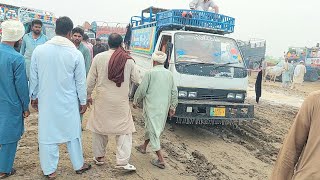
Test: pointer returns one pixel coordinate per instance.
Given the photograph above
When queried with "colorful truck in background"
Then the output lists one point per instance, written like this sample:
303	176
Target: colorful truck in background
26	16
311	57
103	29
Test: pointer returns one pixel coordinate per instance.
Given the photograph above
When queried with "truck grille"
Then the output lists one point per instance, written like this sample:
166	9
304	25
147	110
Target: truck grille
212	97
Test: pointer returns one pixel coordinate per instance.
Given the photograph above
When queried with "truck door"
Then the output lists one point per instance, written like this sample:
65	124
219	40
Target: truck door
166	47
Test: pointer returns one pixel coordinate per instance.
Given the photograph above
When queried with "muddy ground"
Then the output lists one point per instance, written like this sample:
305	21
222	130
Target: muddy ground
210	152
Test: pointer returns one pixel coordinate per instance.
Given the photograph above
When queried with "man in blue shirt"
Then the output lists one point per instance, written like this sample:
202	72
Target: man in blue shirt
31	40
14	95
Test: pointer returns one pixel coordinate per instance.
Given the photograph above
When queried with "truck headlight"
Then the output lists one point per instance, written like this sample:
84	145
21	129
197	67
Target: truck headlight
183	93
239	96
231	95
193	94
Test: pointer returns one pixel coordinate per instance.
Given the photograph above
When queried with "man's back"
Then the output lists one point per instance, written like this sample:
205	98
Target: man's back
159	88
14	97
10	60
100	65
299	70
98	49
298	159
56	69
58	80
111	112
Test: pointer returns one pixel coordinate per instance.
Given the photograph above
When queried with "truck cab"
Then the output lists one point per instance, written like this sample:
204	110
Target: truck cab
27	15
207	67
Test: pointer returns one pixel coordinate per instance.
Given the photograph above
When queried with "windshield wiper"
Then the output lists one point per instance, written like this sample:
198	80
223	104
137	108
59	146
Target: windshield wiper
212	64
227	64
194	63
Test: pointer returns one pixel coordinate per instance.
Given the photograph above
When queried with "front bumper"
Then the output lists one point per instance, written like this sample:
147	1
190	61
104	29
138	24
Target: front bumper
212	112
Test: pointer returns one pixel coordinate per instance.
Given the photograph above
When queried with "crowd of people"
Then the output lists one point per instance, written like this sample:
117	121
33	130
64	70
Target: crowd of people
293	74
59	85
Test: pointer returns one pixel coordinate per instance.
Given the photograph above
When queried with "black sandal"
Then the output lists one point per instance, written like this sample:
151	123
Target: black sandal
158	164
52	176
13	171
84	169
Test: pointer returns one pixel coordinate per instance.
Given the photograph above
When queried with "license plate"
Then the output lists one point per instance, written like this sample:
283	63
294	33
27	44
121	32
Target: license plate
218	112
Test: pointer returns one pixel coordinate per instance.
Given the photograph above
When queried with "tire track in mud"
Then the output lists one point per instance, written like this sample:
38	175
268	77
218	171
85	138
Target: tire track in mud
268	129
196	163
262	138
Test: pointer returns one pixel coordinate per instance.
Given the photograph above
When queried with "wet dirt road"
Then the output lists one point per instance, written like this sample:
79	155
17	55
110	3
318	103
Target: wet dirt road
209	152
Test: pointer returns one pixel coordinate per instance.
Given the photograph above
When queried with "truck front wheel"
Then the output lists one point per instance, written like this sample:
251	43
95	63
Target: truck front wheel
314	76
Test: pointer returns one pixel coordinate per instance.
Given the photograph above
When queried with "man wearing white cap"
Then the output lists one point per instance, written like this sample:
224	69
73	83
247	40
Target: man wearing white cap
14	95
299	73
160	97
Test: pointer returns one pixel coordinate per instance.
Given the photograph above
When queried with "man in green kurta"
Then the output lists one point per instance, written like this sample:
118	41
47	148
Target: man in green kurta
77	37
160	96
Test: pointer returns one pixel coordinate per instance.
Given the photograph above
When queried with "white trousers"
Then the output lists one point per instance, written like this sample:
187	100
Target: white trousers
49	156
124	145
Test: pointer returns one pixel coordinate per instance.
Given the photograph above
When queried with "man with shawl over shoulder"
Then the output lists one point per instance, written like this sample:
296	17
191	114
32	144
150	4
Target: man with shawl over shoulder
111	74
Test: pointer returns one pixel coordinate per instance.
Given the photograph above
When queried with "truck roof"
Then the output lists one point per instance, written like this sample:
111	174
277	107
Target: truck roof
190	20
154	10
29	14
172	32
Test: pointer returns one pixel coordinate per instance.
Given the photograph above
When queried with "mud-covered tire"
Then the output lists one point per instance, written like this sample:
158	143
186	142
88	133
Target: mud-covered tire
314	76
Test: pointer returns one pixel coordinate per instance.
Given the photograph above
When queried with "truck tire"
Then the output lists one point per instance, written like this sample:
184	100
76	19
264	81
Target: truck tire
314	76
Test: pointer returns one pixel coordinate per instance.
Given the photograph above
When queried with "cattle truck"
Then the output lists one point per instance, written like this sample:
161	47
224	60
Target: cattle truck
207	67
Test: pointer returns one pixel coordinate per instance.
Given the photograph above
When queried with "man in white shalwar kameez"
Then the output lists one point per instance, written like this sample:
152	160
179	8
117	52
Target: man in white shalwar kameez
160	97
111	74
298	76
57	85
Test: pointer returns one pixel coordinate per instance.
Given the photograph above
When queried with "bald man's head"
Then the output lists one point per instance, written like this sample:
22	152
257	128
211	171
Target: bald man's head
115	40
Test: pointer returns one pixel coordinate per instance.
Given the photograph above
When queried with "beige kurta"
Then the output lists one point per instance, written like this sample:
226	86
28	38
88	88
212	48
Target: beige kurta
299	157
299	72
111	112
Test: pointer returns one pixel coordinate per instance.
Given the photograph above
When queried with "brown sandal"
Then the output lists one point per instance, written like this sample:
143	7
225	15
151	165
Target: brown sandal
139	149
84	168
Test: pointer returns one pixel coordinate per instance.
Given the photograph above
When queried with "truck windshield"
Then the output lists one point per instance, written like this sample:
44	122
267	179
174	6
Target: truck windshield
313	53
206	49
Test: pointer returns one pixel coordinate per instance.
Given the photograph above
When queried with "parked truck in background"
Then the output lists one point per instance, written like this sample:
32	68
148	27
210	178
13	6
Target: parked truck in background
253	51
311	58
26	16
207	67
